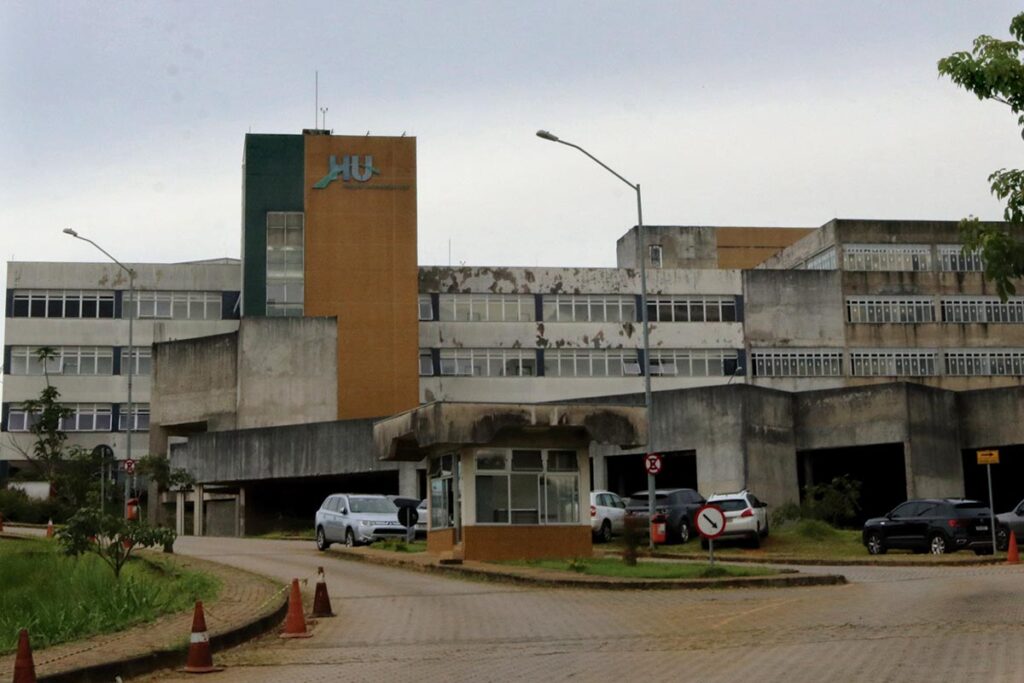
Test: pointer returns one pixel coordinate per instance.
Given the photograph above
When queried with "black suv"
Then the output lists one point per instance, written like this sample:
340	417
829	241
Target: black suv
678	506
935	525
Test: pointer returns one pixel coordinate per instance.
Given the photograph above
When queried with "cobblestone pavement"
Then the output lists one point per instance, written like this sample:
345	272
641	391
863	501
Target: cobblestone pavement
890	624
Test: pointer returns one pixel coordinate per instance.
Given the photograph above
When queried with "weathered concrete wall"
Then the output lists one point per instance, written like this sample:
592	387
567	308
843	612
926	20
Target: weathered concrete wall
689	246
991	417
306	450
932	451
195	380
287	371
796	308
217	275
861	416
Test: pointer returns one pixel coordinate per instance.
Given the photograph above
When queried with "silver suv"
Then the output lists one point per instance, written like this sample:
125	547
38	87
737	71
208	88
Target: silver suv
354	518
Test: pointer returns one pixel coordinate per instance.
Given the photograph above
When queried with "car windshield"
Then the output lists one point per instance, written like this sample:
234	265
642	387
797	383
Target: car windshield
730	504
372	505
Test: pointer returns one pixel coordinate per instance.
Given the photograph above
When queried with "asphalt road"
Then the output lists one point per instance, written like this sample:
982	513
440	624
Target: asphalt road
889	624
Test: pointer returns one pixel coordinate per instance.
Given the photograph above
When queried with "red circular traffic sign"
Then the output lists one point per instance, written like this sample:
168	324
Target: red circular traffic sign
710	521
129	466
652	463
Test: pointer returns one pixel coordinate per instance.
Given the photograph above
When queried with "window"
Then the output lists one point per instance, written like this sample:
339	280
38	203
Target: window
591	362
87	417
487	308
60	303
19	420
426	308
520	486
696	309
426	363
982	309
68	360
968	363
953	259
141	421
823	260
797	363
285	263
143	361
175	305
694	362
442	502
887	257
908	363
861	309
589	308
489	362
654	251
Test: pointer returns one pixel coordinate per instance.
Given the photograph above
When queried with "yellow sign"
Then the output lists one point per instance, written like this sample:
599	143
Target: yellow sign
988	457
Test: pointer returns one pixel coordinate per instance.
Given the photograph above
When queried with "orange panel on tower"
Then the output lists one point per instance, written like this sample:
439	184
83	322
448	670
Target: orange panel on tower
360	265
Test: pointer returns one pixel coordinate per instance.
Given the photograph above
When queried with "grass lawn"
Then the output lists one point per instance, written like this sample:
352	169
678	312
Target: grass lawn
645	570
396	545
59	598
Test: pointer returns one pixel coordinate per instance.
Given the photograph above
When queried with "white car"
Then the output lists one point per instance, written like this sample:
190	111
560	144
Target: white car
607	515
745	516
355	518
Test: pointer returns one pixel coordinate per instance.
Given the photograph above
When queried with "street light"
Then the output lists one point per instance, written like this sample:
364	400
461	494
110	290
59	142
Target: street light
131	349
545	135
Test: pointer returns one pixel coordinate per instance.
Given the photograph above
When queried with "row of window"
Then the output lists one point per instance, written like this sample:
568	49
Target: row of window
285	263
885	363
86	417
897	257
78	360
75	303
577	308
922	310
579	362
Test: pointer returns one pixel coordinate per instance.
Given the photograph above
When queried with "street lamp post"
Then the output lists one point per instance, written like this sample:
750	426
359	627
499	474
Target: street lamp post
131	350
545	135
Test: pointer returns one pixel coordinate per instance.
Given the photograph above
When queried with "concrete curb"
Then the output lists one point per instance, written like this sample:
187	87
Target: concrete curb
556	580
815	562
137	665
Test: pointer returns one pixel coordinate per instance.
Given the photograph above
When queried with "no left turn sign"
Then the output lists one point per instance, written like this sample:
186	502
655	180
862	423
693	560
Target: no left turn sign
653	463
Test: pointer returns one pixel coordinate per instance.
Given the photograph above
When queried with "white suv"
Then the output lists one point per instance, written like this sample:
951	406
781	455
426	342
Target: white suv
745	516
607	515
354	518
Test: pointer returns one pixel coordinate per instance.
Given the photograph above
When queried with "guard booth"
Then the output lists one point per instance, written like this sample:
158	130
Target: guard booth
508	481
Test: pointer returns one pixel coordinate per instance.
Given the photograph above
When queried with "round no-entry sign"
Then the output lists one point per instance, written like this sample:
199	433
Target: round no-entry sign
710	521
653	463
129	466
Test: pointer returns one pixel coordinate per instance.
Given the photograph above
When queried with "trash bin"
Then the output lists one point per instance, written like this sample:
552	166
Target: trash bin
658	533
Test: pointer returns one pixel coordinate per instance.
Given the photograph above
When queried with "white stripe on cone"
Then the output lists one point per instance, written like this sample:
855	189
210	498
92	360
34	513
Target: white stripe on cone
199	638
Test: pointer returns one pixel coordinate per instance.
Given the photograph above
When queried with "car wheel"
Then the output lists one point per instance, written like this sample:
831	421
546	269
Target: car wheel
755	540
937	545
605	534
876	546
322	543
764	532
350	539
684	531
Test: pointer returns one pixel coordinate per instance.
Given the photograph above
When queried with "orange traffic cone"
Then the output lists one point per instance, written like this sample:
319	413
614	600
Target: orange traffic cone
200	661
1012	556
321	601
295	623
49	529
24	667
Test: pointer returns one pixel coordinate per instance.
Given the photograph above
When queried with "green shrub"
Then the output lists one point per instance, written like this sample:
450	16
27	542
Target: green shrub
815	529
713	571
16	506
577	564
836	502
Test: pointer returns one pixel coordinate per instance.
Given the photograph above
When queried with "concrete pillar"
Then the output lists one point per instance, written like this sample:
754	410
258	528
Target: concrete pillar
408	484
240	523
600	470
179	513
197	515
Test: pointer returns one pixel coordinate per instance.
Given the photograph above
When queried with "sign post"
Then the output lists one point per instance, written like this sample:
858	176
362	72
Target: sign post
407	517
652	463
989	458
710	524
105	454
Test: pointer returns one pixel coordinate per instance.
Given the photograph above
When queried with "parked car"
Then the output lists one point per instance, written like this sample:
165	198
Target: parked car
421	523
607	515
934	525
678	506
354	518
746	517
1012	521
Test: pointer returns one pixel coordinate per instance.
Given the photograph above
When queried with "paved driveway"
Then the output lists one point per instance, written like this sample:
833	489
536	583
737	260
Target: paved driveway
890	624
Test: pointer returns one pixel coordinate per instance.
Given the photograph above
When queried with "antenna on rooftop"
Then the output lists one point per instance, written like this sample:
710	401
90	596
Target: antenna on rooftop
323	110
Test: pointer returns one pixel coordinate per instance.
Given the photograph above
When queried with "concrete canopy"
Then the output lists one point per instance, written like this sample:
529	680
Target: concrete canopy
441	426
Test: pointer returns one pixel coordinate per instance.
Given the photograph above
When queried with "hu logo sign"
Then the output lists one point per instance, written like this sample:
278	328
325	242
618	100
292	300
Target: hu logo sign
350	168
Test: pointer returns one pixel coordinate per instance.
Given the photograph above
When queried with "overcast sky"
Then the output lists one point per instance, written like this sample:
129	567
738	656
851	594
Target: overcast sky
126	120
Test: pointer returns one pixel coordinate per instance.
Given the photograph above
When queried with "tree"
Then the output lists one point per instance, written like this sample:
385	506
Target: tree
44	415
109	537
993	70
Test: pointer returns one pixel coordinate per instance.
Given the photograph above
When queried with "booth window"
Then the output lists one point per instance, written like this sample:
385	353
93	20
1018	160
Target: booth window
442	503
521	486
